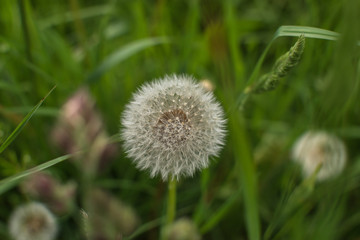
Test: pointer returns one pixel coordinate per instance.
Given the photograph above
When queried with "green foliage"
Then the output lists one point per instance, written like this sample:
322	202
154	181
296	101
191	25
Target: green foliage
22	124
7	183
252	190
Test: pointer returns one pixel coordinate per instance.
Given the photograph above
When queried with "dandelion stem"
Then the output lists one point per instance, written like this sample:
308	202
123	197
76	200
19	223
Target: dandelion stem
171	202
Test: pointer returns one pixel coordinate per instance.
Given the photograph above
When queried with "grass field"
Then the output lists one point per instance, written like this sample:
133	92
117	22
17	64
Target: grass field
253	190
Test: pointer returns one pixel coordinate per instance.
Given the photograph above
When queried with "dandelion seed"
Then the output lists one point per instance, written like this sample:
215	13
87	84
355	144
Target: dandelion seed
169	140
32	221
315	148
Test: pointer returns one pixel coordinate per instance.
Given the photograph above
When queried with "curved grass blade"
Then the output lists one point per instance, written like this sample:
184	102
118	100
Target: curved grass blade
8	87
288	31
11	181
85	13
22	124
44	111
309	32
14	52
144	228
349	132
122	54
220	213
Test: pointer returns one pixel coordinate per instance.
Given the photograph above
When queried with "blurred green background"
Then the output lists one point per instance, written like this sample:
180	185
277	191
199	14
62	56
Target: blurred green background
114	46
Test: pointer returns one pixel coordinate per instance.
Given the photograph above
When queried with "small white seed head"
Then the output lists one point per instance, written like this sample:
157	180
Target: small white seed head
182	229
207	85
172	126
32	221
320	148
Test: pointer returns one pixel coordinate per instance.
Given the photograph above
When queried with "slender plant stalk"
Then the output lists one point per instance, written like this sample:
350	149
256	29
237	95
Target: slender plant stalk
80	29
171	202
25	29
79	26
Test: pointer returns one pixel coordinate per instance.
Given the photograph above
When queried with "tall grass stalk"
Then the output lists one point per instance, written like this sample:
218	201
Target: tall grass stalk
247	175
25	28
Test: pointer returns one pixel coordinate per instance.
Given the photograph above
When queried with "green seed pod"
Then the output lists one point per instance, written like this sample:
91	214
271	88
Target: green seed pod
282	67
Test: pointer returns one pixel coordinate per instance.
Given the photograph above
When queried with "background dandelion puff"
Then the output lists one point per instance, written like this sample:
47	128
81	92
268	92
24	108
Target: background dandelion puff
32	221
314	148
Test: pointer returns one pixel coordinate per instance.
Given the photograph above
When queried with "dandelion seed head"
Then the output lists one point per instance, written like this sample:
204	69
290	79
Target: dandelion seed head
182	229
32	221
172	126
315	148
207	85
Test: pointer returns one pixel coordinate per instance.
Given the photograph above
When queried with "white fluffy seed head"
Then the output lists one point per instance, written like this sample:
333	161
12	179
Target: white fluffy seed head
315	148
182	229
172	126
32	221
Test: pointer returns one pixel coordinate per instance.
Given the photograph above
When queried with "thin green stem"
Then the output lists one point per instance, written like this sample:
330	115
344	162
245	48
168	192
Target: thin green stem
80	29
79	26
25	29
171	201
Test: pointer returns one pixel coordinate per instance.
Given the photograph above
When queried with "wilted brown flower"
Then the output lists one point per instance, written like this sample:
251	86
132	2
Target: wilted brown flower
58	197
80	127
107	217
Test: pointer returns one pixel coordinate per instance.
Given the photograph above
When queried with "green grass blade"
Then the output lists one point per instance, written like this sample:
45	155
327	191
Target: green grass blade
44	111
309	32
22	124
9	87
144	228
289	31
246	174
220	213
122	54
349	132
11	181
67	17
